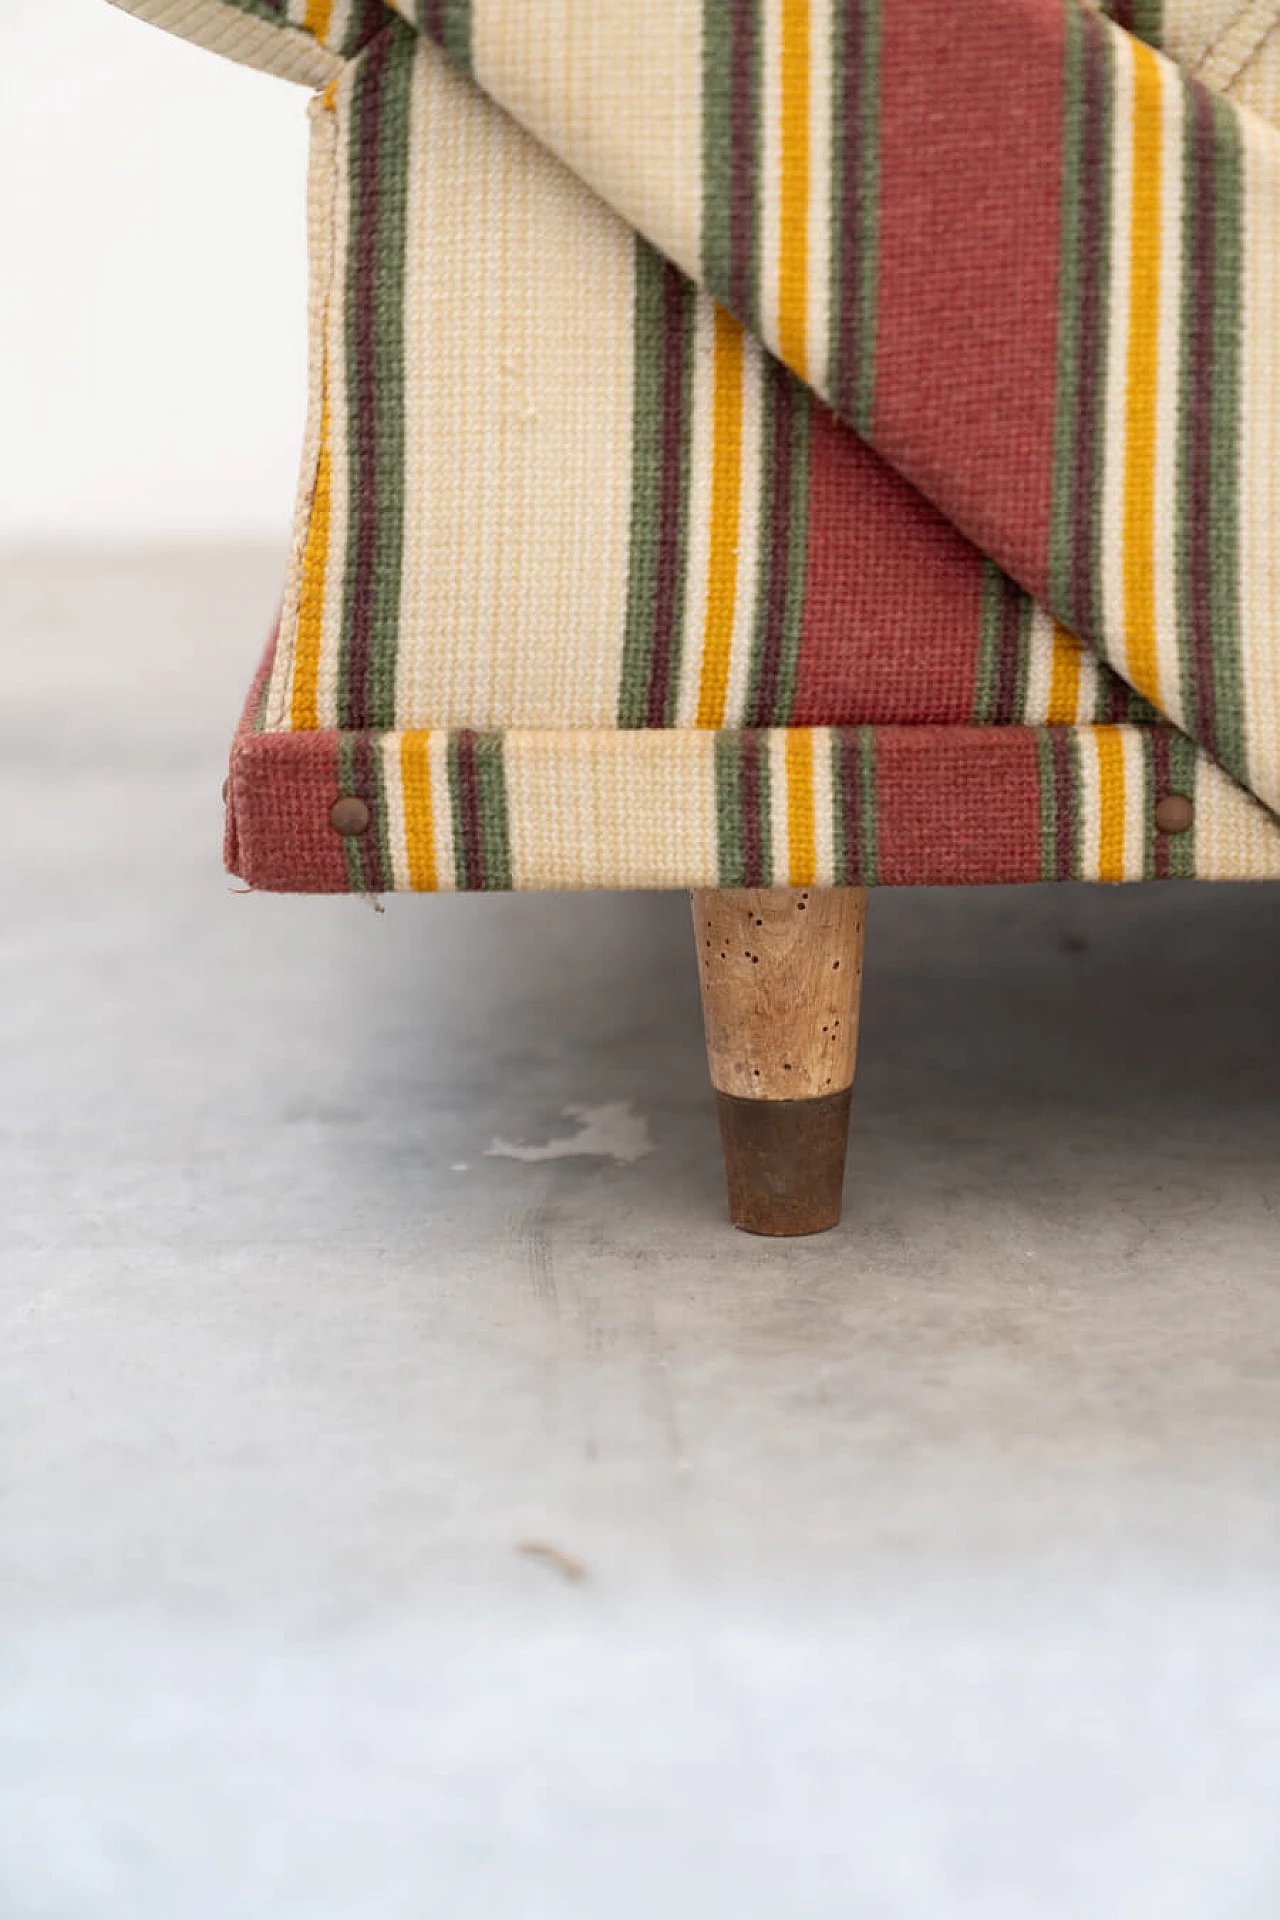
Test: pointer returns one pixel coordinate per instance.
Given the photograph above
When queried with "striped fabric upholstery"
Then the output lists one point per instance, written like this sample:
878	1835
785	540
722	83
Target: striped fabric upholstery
714	456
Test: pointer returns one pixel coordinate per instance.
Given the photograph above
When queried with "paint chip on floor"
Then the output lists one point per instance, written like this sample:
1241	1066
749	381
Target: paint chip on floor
611	1132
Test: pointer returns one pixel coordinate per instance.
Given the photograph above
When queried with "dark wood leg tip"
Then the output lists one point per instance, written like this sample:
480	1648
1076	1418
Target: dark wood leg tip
784	1161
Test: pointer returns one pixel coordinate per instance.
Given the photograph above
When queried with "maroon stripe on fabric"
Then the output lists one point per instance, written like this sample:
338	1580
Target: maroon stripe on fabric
742	158
364	382
1197	507
469	811
667	581
431	18
1064	804
780	496
376	877
752	844
971	114
1161	757
1117	699
882	565
851	804
1122	12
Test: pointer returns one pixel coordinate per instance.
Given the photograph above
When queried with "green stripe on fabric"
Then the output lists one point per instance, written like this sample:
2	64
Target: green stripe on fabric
1068	369
381	814
375	355
839	834
797	560
1048	781
744	855
646	480
448	22
675	642
393	155
1183	763
729	861
868	812
768	476
717	157
495	827
349	783
1228	390
986	678
855	208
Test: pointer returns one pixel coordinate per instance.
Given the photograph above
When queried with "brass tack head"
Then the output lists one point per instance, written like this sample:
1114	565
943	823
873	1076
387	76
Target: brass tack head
1174	813
348	816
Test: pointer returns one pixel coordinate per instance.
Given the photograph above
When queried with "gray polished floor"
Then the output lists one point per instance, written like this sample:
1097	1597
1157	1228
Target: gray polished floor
396	1526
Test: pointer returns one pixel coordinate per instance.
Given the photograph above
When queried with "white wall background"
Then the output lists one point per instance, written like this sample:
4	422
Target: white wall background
153	293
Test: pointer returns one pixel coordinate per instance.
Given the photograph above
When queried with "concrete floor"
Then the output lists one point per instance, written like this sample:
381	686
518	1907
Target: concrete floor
931	1568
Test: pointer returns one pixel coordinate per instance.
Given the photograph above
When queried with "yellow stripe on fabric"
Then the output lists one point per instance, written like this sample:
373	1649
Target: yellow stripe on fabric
793	211
319	18
419	816
726	497
1111	802
802	861
1064	682
304	713
1142	376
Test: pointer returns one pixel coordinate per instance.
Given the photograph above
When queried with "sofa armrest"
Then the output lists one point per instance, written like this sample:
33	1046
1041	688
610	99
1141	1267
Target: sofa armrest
302	40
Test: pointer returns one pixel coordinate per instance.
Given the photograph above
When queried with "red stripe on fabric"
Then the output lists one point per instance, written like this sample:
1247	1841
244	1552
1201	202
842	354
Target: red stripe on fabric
971	107
283	787
949	815
893	602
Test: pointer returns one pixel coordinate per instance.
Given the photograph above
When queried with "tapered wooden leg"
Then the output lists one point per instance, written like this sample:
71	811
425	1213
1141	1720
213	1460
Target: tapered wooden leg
781	981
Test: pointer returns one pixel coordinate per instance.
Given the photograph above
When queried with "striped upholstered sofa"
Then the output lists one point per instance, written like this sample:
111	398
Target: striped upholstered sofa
776	448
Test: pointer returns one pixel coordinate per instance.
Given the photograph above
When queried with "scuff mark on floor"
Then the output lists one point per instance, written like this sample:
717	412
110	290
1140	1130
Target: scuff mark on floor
611	1132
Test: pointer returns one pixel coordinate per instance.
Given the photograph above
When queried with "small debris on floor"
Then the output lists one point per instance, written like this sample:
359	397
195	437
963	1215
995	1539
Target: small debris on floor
554	1557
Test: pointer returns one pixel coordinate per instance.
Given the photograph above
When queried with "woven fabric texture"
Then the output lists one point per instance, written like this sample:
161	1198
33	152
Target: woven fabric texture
779	442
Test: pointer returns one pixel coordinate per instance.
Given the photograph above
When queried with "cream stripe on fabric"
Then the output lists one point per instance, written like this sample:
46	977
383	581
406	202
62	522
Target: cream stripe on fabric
557	64
754	368
281	50
702	487
340	449
518	405
1260	472
1041	662
820	210
595	809
1234	838
824	807
393	788
442	812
